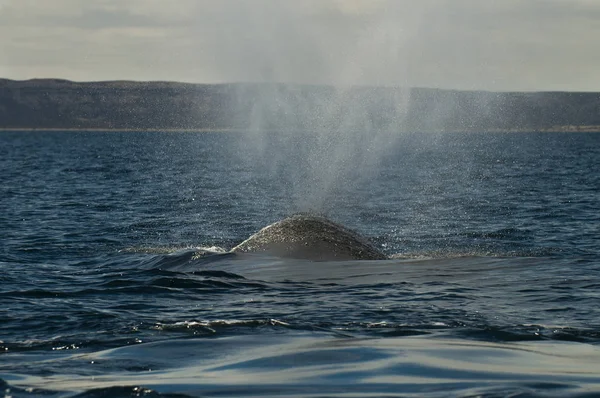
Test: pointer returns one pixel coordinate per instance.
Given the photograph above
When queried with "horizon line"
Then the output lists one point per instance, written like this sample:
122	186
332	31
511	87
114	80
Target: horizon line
123	81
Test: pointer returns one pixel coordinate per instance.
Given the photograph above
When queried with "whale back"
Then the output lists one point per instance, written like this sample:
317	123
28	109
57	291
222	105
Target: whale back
312	238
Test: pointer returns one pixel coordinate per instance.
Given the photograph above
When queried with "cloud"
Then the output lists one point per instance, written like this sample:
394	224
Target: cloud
506	45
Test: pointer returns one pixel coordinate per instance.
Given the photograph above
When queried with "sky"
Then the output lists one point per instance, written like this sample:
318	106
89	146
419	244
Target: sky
507	45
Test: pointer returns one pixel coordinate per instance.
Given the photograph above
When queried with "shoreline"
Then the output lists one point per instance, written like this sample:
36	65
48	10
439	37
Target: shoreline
116	130
566	129
129	106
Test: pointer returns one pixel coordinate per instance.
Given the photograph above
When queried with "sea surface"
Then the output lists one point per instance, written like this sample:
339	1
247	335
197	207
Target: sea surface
115	279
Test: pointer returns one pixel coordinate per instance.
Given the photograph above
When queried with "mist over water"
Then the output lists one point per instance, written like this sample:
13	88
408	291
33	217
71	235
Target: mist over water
321	146
323	141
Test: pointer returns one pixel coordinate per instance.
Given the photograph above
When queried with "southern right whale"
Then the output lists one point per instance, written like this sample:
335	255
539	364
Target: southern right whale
310	237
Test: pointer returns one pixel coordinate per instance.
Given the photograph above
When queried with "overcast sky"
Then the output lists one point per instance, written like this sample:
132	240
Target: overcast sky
464	44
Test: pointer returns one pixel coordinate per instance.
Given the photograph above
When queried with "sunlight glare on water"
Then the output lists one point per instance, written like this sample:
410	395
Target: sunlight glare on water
491	288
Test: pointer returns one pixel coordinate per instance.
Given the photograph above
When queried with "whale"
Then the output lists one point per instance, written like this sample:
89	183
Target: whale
310	237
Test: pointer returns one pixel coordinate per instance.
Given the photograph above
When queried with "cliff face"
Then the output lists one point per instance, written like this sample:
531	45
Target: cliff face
50	103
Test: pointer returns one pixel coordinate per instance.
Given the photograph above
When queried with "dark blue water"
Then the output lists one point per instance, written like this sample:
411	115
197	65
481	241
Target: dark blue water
108	289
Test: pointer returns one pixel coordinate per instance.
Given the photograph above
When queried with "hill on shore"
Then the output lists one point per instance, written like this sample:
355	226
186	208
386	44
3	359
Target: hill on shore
62	104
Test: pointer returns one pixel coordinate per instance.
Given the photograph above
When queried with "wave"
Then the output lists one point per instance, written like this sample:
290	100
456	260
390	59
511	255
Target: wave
316	364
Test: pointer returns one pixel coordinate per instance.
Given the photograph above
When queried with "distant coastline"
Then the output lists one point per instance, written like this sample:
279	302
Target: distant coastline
62	105
116	130
566	129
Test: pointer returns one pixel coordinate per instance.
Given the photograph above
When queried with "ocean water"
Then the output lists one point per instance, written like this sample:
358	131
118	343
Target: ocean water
115	281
